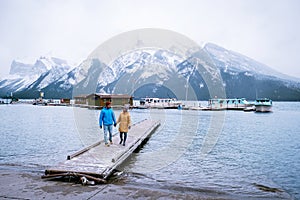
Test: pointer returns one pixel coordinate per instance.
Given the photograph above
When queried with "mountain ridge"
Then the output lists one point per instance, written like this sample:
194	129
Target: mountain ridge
241	76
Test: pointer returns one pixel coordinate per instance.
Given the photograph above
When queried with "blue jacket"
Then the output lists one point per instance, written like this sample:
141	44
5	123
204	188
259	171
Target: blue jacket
107	117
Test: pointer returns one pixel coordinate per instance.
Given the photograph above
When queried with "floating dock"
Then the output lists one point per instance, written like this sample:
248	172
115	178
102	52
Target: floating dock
97	162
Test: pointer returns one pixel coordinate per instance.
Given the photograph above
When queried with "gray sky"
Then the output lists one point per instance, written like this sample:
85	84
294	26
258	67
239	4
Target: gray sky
265	30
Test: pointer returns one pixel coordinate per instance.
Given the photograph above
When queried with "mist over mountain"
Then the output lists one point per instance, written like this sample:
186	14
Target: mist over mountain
245	77
151	72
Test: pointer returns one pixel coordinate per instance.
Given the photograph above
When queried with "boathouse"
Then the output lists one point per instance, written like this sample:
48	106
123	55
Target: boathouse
99	100
81	99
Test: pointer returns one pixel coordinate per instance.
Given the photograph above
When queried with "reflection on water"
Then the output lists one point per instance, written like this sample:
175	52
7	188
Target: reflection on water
247	154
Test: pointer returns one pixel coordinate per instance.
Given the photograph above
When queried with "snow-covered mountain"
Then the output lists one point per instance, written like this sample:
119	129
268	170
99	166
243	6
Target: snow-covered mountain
151	72
228	60
24	78
158	64
159	73
246	77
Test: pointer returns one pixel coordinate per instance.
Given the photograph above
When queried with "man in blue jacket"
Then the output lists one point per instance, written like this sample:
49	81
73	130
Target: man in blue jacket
107	119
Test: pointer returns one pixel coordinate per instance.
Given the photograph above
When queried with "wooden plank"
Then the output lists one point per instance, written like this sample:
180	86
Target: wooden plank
69	157
74	174
99	160
119	159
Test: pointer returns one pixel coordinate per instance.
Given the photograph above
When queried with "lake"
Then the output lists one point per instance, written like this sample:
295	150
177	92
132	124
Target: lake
229	154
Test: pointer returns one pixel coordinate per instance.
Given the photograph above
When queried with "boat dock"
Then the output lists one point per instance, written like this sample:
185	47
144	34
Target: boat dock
97	162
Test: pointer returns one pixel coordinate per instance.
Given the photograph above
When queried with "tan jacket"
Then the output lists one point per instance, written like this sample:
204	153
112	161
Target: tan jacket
125	121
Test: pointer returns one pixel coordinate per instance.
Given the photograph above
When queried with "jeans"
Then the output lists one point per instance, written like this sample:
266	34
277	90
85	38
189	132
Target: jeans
109	129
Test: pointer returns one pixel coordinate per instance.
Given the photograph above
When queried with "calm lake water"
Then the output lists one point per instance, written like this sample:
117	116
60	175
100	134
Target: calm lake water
230	154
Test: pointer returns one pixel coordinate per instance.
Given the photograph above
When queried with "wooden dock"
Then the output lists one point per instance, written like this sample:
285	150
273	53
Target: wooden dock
97	162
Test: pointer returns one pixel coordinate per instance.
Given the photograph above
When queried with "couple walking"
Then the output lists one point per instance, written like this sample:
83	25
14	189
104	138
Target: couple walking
107	119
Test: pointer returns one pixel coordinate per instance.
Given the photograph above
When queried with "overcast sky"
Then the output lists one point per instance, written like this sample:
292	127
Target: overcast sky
265	30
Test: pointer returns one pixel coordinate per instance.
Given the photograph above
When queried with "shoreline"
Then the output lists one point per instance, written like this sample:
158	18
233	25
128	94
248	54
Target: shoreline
29	185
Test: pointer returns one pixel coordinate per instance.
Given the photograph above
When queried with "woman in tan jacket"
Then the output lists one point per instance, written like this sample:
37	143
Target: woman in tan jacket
125	124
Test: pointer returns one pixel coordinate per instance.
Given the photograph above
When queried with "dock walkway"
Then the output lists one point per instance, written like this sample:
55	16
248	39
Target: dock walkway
97	162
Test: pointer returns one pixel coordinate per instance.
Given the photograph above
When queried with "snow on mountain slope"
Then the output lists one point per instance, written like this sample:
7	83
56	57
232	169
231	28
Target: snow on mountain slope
149	61
23	76
54	74
231	61
73	77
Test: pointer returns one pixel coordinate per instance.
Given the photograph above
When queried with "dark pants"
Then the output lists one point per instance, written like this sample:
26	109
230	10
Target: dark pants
121	137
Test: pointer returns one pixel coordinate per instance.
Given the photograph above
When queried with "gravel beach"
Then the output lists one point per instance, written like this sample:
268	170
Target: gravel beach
29	185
